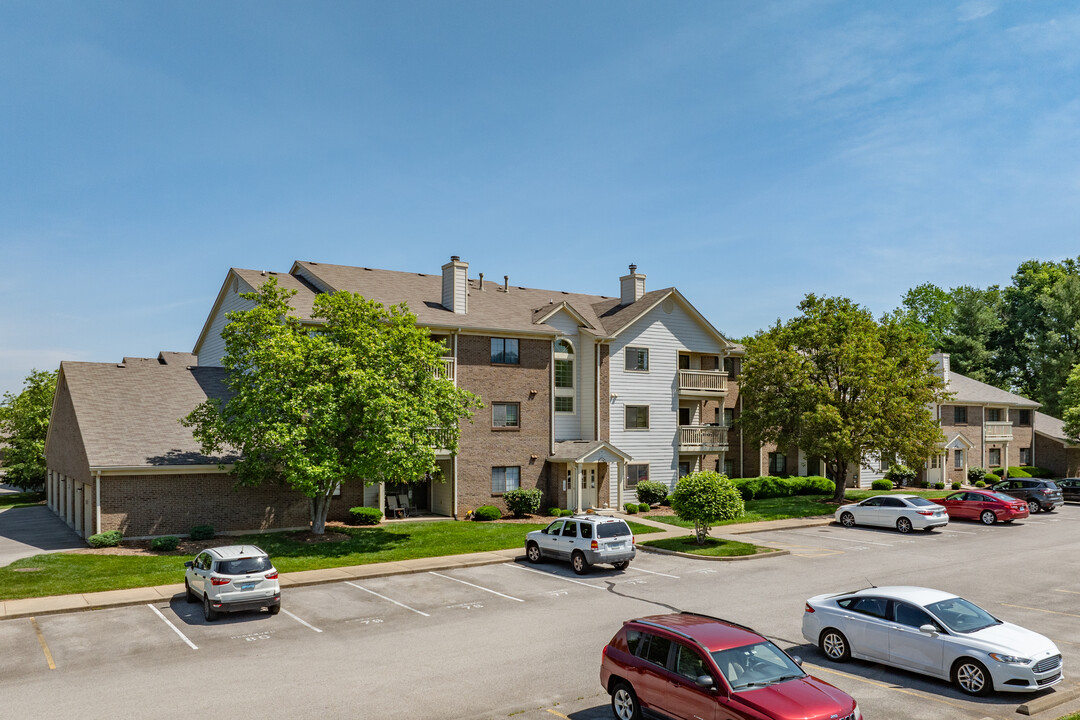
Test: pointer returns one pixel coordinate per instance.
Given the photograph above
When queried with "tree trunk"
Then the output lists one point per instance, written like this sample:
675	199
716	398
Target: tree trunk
701	532
320	508
840	478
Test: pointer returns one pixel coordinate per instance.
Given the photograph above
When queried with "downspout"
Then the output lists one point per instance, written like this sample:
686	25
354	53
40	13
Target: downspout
741	443
551	398
97	503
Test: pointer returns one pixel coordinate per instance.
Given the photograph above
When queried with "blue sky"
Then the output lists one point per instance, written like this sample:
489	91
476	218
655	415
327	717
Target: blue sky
746	152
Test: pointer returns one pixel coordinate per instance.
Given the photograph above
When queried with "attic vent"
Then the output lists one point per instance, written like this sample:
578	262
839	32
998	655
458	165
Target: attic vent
368	269
120	365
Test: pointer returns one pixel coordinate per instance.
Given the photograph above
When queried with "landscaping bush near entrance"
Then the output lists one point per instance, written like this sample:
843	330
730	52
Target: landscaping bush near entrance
523	502
901	475
365	515
1032	471
768	486
630	508
165	543
486	513
976	473
651	492
881	485
110	538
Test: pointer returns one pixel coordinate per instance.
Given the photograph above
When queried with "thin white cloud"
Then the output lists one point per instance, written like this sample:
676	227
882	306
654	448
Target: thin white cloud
974	10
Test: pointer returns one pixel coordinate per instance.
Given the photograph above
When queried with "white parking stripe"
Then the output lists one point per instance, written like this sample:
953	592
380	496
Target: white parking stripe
418	612
1074	592
176	630
478	587
653	573
961	532
305	624
846	541
557	577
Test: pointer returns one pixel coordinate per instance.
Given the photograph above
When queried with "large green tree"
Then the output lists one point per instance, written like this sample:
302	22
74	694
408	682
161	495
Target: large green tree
24	420
975	324
349	395
842	386
1070	403
928	310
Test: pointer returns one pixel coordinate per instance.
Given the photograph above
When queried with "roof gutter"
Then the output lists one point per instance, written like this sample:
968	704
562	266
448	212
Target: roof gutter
108	470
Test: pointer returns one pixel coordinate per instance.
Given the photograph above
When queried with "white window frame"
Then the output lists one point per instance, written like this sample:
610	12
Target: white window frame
626	480
989	457
958	459
626	358
516	425
565	393
504	468
636	428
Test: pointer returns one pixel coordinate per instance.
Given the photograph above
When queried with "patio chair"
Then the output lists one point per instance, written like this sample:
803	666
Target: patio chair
403	503
392	508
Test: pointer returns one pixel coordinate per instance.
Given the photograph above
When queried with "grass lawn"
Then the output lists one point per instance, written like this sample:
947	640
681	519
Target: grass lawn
711	548
23	499
67	573
796	506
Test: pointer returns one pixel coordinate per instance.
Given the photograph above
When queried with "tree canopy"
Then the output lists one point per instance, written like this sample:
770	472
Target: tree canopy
842	386
351	395
706	498
24	420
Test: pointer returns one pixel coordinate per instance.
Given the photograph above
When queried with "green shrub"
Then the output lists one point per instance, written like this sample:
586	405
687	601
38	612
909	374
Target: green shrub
991	478
939	485
365	515
1035	472
110	538
768	486
1018	472
706	498
644	507
975	473
650	492
554	512
666	502
202	532
881	485
523	502
486	513
956	486
165	543
901	474
980	484
630	508
566	512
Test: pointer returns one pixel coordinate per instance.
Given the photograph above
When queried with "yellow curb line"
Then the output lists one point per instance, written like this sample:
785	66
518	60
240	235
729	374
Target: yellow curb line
1052	612
44	645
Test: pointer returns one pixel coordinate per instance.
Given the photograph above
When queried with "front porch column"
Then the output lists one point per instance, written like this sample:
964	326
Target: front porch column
578	479
382	498
721	460
623	470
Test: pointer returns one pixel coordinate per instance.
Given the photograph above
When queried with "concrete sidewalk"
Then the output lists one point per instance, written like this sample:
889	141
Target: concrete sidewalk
27	607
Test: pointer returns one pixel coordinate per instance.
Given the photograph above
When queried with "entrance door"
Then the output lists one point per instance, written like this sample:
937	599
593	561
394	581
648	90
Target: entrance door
588	486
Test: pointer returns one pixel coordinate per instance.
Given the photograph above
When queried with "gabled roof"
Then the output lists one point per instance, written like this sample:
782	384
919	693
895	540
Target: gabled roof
1049	426
128	413
958	442
586	451
972	392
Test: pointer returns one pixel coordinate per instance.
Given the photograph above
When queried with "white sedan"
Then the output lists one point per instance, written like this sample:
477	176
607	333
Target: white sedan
903	512
935	633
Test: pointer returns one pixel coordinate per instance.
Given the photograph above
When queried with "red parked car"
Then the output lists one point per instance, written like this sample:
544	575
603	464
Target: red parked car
687	665
983	505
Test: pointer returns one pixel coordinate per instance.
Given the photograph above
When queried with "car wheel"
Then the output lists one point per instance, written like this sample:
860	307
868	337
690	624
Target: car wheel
621	565
834	645
847	520
188	595
903	525
972	677
624	703
208	612
532	552
1034	507
579	563
274	609
988	517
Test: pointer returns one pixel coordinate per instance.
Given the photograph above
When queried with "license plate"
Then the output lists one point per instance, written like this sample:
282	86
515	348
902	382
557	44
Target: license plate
247	586
616	545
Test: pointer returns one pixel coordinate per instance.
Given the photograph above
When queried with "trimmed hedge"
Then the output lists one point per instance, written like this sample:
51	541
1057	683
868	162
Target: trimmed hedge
901	474
976	473
523	502
939	486
201	532
485	513
768	486
365	515
881	485
980	484
991	478
650	492
644	507
566	512
165	543
630	508
1034	471
956	486
555	512
110	538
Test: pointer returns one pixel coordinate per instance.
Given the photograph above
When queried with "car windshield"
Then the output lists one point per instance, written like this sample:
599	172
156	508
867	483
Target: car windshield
962	616
919	502
244	566
757	665
612	529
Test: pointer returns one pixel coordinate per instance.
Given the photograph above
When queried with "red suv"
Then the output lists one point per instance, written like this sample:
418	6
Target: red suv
689	666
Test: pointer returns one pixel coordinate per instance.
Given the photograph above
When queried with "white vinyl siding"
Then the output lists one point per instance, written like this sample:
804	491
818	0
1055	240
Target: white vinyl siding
213	347
665	335
568	425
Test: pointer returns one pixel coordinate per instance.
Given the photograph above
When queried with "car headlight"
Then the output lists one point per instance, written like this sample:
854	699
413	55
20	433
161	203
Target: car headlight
1009	659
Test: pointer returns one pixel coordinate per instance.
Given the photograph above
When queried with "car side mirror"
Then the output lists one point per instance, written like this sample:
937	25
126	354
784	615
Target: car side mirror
188	564
797	659
928	629
705	681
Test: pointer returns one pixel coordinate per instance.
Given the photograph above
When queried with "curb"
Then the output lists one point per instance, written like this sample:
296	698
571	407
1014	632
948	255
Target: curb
1048	701
755	556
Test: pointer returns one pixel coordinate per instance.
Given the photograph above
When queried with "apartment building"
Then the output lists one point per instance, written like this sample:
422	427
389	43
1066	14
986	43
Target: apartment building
584	397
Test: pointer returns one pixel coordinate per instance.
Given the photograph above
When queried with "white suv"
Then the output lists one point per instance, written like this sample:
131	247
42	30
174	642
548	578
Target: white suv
232	578
584	540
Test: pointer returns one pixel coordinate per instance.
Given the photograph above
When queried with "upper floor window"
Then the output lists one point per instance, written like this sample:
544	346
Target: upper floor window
637	417
993	414
504	415
960	415
637	358
1025	417
684	361
729	367
729	417
504	351
564	376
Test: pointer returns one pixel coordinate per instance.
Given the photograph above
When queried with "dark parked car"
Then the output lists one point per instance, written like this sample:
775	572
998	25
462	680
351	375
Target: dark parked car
687	665
987	507
1070	488
1039	495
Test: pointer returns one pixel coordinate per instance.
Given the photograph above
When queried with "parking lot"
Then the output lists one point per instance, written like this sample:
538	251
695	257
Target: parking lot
523	640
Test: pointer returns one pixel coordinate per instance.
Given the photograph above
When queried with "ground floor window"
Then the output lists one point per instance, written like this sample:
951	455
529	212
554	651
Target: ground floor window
958	459
505	478
636	473
1025	456
729	468
684	469
777	463
994	457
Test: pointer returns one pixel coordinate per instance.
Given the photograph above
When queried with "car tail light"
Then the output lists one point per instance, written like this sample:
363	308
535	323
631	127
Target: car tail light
219	581
925	512
271	576
1044	491
809	609
594	545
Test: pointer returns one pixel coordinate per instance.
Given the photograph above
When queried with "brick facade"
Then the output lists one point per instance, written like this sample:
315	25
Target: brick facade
1054	456
67	458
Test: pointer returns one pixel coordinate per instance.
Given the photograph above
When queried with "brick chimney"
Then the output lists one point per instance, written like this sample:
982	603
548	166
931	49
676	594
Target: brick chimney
455	285
631	287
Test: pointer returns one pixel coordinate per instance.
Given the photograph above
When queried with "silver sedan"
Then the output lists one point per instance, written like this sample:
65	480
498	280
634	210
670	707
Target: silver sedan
903	512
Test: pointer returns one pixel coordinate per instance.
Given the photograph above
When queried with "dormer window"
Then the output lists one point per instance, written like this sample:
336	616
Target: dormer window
564	376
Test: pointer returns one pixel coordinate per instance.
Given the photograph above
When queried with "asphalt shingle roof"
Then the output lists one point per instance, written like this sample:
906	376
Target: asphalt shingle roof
974	392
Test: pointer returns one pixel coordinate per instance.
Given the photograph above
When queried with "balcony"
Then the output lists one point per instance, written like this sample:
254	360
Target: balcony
703	439
708	383
446	369
442	441
997	431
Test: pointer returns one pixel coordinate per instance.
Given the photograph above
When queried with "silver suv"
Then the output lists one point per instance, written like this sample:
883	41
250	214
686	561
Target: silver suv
232	578
584	540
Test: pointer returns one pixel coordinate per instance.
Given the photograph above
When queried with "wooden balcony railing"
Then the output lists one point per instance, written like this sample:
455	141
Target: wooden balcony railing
703	438
446	369
997	431
442	439
703	381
